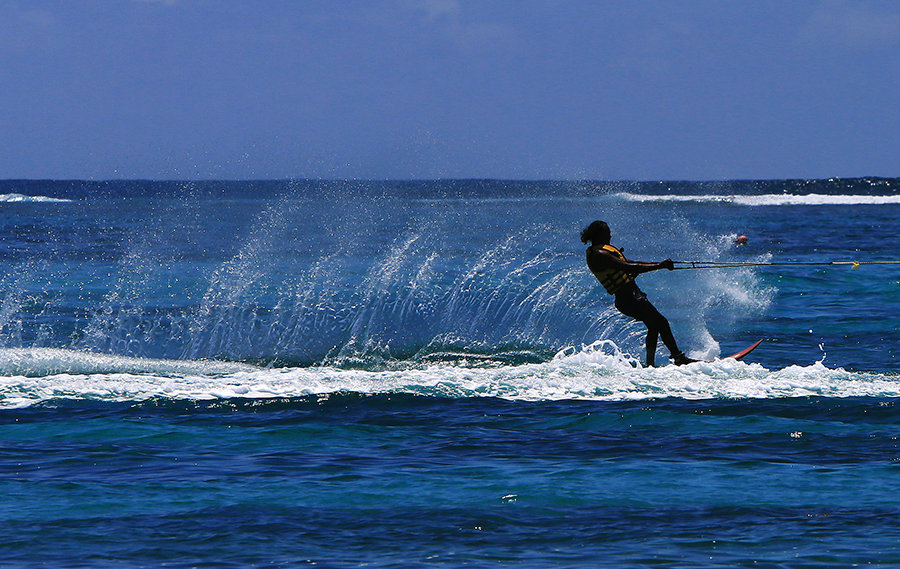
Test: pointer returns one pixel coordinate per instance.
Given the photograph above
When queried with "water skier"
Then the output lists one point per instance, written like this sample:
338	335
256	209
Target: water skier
616	274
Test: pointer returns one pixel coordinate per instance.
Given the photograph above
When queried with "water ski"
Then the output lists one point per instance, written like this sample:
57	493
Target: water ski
743	352
740	355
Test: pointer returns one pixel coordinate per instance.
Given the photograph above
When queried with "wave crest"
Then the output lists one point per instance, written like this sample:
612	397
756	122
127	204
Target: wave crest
597	372
18	198
766	199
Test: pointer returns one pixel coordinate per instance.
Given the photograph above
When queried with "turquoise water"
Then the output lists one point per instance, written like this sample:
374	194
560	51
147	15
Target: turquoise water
425	374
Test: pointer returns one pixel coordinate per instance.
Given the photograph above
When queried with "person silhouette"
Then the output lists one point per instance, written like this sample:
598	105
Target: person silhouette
617	275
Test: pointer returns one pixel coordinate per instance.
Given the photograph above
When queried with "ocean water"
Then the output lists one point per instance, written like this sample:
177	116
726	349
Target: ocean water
425	374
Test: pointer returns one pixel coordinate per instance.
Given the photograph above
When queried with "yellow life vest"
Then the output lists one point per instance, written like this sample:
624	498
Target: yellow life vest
612	279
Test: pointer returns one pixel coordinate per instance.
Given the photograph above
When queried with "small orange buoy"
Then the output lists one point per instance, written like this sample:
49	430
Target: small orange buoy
741	240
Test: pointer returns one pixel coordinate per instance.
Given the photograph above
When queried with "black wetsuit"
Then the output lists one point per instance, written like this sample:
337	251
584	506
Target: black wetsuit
631	301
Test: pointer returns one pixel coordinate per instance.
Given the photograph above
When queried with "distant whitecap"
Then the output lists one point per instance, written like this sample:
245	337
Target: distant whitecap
766	199
18	198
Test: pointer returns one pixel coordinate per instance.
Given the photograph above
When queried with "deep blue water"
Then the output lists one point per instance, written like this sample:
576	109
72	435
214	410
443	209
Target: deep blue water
403	374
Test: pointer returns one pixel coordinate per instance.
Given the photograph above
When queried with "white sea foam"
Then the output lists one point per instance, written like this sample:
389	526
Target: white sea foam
597	372
10	198
766	199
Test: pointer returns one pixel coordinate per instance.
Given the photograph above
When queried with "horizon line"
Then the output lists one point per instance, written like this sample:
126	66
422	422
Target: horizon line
449	179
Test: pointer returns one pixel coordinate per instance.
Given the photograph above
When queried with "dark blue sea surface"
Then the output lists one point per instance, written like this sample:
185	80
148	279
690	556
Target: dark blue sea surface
425	374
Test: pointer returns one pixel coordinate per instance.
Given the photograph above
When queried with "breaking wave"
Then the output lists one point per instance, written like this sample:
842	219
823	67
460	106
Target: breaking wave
600	371
17	198
766	199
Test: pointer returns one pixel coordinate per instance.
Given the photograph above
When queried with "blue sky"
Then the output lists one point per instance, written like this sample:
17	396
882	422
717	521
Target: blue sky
529	89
